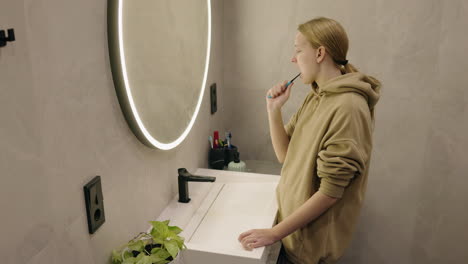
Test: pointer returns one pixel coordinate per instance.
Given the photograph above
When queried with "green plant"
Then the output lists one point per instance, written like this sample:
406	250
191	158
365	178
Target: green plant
160	246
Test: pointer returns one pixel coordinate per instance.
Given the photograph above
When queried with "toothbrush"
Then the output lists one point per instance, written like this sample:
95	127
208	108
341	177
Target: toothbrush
269	96
210	139
226	141
229	140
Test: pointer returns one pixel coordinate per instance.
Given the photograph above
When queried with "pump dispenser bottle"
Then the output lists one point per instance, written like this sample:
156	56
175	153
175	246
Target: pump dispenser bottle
237	164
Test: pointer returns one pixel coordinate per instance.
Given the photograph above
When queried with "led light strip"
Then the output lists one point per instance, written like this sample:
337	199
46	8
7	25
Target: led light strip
141	126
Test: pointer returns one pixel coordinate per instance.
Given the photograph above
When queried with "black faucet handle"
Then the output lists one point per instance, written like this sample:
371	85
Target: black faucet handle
187	176
183	172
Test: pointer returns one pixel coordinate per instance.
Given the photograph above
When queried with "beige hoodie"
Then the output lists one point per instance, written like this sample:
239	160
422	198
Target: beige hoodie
329	151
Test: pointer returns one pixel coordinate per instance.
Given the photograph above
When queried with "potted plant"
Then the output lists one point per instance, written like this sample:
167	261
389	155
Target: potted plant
160	246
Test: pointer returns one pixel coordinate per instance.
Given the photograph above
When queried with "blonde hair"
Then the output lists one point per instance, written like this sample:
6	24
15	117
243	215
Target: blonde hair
326	32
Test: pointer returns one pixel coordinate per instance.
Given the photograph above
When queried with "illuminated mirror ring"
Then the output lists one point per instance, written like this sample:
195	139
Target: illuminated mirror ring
122	85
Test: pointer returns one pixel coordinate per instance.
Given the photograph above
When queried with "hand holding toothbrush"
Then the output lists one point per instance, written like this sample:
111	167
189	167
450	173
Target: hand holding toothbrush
279	94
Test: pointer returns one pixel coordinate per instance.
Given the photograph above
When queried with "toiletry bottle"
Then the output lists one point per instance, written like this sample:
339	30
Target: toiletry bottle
237	164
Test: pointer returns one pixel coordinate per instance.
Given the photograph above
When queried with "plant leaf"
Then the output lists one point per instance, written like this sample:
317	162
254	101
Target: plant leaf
154	251
162	262
137	246
140	256
178	239
175	229
155	259
159	230
130	260
116	256
160	253
172	247
144	260
158	240
127	254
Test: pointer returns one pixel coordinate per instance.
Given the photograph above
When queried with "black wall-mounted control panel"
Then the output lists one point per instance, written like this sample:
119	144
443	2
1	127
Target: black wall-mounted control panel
94	204
214	101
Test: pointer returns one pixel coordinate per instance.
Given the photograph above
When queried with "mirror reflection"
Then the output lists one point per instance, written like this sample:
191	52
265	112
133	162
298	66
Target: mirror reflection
162	62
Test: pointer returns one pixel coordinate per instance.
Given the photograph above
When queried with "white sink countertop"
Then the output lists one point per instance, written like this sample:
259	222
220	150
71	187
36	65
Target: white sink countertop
218	212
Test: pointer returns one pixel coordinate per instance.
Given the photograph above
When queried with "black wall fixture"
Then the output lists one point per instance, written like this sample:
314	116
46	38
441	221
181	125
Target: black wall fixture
4	39
94	204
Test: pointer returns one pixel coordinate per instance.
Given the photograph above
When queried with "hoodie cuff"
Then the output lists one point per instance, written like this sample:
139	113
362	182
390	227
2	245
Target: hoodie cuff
330	189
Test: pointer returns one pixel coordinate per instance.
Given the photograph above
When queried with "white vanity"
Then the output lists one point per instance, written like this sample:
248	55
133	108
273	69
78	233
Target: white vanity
219	212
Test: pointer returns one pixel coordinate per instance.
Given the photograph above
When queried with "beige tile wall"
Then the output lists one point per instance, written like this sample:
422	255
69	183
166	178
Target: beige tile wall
61	124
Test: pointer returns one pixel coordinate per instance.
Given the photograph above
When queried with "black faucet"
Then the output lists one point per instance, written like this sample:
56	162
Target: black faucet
184	178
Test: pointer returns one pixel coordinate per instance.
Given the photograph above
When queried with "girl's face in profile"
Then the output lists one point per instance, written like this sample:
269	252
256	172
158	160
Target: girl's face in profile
305	58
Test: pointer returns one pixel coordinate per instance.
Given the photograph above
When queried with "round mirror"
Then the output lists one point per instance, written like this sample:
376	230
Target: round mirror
159	52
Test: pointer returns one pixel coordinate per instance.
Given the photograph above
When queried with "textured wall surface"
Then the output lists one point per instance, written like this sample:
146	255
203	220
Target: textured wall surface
61	125
415	207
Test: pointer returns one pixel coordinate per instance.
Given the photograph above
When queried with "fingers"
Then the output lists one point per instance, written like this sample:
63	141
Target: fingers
282	87
247	239
251	239
278	89
255	244
288	91
243	235
249	243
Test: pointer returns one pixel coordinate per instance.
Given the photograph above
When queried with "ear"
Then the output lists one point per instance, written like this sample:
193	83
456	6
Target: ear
320	54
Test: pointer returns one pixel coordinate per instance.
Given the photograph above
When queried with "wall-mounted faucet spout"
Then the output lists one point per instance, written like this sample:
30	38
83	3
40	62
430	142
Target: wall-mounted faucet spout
184	178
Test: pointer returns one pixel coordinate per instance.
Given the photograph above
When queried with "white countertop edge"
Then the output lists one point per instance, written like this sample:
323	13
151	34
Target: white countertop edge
256	253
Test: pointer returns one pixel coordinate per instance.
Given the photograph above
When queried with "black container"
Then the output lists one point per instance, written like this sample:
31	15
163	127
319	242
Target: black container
216	158
220	157
229	154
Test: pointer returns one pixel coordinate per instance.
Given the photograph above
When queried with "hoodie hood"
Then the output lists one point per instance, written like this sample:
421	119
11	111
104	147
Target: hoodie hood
355	82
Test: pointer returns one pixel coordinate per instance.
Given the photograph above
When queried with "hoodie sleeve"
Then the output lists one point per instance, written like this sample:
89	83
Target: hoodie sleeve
291	125
346	149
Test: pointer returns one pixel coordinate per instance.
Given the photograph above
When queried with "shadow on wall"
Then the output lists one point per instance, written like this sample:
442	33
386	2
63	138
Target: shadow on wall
440	208
361	241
